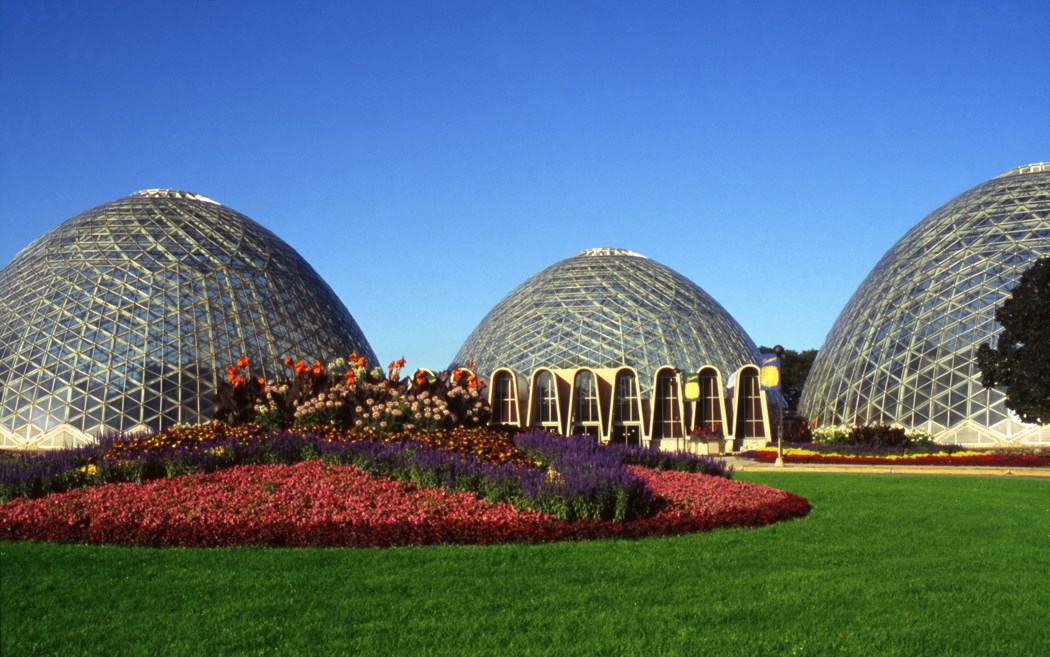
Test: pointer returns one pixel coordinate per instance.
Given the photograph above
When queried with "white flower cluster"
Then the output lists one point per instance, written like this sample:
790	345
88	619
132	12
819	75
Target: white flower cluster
919	435
320	402
269	403
471	400
404	411
832	433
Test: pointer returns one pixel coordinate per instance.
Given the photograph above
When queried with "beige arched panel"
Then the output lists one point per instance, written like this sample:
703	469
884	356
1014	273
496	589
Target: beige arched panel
508	395
750	409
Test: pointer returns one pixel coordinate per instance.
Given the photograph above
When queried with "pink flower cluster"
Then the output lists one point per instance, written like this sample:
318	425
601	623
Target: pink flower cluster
311	503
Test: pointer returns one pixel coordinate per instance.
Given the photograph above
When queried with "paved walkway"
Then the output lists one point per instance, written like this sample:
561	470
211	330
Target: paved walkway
747	465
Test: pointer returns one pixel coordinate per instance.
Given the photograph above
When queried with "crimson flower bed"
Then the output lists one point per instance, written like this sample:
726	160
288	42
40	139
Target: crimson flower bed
316	504
1003	460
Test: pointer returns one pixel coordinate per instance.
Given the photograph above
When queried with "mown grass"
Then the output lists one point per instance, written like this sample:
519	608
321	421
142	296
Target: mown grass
884	565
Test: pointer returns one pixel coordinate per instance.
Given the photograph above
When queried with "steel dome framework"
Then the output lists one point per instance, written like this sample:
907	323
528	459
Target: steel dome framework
607	308
903	349
124	317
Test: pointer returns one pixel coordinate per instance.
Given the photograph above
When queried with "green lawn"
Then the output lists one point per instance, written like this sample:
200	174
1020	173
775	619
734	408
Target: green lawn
884	565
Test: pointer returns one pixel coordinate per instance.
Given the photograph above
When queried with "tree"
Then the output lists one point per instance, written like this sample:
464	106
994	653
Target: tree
794	368
1020	363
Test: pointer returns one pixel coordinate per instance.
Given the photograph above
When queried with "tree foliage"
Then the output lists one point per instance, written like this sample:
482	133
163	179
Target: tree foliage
1020	363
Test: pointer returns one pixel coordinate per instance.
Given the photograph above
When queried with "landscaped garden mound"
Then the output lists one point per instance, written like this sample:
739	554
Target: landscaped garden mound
312	503
222	485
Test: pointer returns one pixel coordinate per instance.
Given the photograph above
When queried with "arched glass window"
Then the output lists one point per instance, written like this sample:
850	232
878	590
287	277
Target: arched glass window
627	418
585	418
710	401
504	403
668	413
545	406
749	415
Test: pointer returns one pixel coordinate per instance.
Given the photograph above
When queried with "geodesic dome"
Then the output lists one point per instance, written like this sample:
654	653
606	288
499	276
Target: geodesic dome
125	316
903	350
607	308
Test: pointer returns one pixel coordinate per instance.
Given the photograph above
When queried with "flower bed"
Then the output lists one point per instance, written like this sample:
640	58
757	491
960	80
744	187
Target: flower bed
213	446
218	485
550	447
569	478
314	503
941	457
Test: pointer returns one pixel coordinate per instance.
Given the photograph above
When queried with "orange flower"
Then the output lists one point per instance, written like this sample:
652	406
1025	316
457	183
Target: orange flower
352	357
242	361
238	380
456	373
350	377
361	361
470	363
472	382
301	368
260	380
231	372
317	368
289	361
400	363
420	378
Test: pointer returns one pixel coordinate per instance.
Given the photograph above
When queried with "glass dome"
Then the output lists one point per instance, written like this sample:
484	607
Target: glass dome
124	317
903	349
607	308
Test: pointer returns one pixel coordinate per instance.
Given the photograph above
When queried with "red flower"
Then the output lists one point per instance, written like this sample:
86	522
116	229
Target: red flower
242	361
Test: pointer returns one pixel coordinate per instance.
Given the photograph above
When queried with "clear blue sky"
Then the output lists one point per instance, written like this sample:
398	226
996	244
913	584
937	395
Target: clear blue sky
427	157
